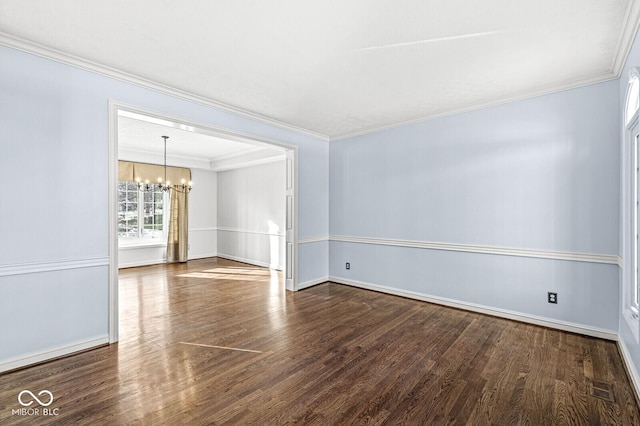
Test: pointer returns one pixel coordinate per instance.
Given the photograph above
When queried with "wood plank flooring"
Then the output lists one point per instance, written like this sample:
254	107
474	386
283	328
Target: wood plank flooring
221	342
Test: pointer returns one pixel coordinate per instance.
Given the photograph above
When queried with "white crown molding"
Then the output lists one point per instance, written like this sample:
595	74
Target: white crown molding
628	33
251	163
489	310
503	251
250	159
78	62
624	46
147	156
523	96
236	154
200	127
50	266
142	156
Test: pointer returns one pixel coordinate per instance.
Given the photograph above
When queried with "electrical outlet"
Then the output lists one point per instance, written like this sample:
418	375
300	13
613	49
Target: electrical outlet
552	297
347	265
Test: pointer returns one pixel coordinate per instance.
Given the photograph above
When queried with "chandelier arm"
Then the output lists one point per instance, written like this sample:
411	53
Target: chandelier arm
163	185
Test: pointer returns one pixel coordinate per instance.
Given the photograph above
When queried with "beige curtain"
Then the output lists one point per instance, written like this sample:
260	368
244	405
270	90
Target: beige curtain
125	171
178	239
130	171
177	242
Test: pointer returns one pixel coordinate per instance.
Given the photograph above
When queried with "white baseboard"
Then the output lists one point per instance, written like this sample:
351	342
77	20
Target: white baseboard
202	256
48	354
250	261
161	261
142	263
311	283
497	312
630	367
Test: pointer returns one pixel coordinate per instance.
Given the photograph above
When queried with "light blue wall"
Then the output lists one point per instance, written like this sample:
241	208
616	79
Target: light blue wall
538	174
54	163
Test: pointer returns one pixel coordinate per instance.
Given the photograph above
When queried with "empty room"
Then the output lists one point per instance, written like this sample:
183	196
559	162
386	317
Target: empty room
355	212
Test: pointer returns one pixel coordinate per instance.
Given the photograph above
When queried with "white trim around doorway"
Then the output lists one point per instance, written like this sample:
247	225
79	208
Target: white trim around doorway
114	107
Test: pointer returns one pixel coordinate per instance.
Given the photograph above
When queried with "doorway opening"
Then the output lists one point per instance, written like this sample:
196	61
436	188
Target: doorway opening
252	223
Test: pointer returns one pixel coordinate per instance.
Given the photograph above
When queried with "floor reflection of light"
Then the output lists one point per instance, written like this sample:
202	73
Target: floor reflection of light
236	270
171	370
230	273
276	306
145	320
216	276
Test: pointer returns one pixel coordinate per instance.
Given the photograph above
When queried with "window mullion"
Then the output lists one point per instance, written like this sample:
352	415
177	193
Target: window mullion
140	212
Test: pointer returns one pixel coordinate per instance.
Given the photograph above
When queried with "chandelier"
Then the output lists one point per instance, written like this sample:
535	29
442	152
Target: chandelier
164	184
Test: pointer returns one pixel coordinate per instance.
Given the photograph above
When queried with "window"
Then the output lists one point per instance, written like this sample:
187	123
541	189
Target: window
633	96
631	205
140	212
633	291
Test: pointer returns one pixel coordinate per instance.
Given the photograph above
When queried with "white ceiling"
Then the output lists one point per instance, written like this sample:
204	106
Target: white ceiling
144	136
140	138
339	67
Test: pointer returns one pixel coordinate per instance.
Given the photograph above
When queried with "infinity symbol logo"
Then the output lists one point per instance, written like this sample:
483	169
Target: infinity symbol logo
42	392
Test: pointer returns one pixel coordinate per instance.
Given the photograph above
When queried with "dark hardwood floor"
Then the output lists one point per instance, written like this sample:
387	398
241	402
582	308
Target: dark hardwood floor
220	342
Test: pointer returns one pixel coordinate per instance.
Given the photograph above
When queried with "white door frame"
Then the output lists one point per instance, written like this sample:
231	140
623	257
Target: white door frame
291	267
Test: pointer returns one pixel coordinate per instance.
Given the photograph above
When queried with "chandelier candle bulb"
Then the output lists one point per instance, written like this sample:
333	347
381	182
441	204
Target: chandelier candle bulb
163	183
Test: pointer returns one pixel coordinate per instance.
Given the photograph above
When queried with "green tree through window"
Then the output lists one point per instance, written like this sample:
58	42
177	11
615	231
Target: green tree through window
140	212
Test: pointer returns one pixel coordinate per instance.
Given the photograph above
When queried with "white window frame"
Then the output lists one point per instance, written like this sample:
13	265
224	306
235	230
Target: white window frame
141	240
631	204
634	136
632	102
